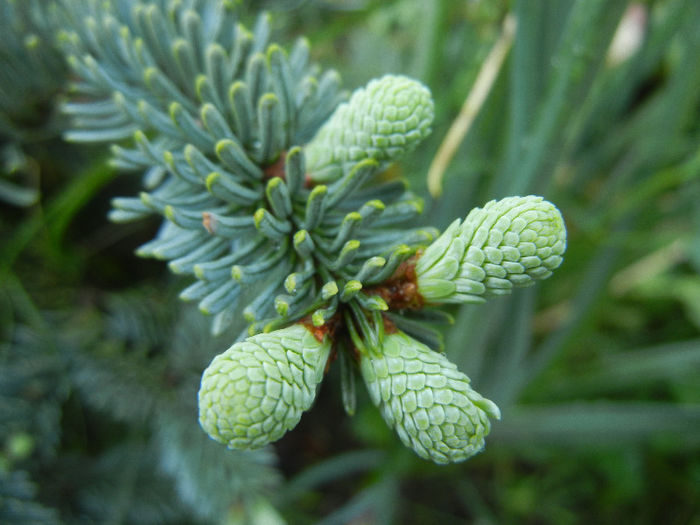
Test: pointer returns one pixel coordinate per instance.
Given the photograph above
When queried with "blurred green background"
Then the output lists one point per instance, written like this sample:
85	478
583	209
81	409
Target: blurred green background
596	106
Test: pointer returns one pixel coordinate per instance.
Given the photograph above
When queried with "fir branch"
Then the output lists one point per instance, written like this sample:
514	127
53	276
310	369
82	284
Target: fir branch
33	70
222	118
17	505
268	183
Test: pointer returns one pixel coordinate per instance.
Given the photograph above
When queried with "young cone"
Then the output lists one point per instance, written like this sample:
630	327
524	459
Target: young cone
508	243
382	121
256	391
427	400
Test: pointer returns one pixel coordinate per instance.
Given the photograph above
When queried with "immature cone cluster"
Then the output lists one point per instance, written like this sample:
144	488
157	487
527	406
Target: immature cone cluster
267	184
383	121
256	391
427	400
508	243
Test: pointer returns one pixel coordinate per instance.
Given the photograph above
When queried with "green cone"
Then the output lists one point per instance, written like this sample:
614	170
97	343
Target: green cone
427	400
256	391
382	121
508	243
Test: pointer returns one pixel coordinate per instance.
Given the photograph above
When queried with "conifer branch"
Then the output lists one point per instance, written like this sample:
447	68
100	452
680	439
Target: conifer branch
268	186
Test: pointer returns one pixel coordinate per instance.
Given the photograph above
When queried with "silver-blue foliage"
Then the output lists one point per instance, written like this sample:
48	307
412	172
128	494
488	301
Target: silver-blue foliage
217	118
267	182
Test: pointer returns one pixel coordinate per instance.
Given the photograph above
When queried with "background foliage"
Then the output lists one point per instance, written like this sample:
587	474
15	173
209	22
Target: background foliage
596	371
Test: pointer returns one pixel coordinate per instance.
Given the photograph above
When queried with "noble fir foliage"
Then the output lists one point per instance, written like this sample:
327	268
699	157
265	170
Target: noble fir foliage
112	359
267	176
32	73
33	70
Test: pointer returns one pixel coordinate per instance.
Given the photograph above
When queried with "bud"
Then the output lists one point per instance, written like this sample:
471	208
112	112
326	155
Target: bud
382	121
427	400
256	391
508	243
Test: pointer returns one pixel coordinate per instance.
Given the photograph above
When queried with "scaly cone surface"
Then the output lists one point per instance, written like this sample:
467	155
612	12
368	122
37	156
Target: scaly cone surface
508	243
429	403
383	121
256	391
